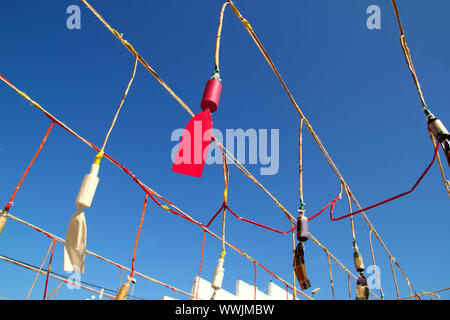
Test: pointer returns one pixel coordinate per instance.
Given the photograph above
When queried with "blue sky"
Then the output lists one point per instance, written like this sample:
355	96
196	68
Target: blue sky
352	83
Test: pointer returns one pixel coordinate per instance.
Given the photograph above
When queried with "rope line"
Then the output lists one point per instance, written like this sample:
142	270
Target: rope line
13	196
395	279
408	54
294	277
201	264
137	237
352	223
349	288
120	106
394	197
219	34
226	178
49	269
441	169
255	267
409	62
300	163
40	268
374	263
331	275
54	292
424	293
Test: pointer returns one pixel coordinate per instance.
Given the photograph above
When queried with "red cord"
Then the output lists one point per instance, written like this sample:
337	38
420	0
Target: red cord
11	200
137	237
395	197
7	81
332	204
49	268
259	224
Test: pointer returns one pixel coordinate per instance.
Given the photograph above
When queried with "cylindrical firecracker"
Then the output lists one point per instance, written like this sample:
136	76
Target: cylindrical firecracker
211	95
437	128
302	227
362	288
358	259
299	267
123	292
218	275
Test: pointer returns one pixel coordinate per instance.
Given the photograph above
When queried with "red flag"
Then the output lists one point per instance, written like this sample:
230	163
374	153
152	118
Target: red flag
193	148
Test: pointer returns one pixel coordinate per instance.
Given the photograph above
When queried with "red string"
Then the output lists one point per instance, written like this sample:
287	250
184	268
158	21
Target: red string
49	268
137	236
258	224
332	204
215	215
51	257
395	197
7	81
11	200
170	287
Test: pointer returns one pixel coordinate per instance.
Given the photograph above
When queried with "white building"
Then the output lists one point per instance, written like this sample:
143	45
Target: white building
244	291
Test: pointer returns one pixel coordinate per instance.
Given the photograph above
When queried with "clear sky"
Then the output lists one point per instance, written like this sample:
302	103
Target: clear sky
352	83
